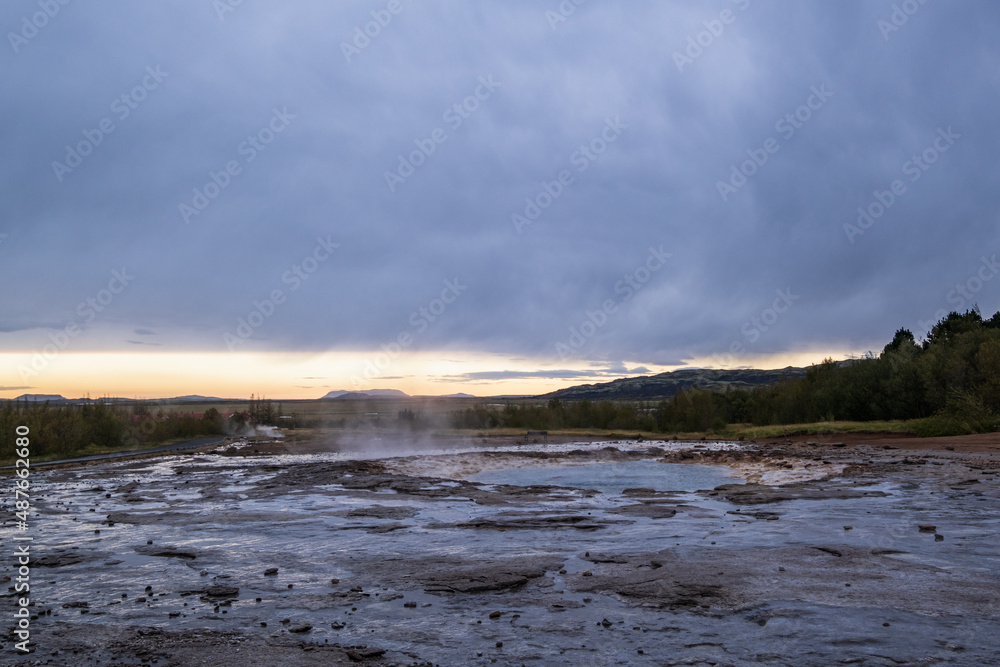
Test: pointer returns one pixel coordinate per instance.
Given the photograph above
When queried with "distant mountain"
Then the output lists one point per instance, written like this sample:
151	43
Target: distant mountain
344	395
458	395
57	398
191	398
40	397
665	385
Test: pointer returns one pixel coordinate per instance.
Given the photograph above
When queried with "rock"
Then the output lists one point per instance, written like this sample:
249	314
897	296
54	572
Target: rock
495	615
586	573
335	581
939	538
165	552
832	552
534	521
410	605
607	558
378	512
648	510
360	654
58	560
222	591
848	527
926	528
486	577
755	494
270	572
75	605
299	629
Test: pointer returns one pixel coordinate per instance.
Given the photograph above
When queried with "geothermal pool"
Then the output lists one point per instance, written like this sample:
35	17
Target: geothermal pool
591	554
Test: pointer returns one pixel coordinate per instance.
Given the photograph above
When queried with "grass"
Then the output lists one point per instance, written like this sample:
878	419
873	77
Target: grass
749	432
93	449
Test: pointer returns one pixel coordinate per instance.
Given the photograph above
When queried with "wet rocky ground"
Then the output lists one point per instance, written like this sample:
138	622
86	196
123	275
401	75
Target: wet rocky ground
624	553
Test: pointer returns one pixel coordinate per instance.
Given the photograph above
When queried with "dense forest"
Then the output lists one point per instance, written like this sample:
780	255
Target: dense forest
950	381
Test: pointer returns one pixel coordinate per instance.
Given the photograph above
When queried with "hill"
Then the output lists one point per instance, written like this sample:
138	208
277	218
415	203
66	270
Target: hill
193	398
344	395
665	385
40	397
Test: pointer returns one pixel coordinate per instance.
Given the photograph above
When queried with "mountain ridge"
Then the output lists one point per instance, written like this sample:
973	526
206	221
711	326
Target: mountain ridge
665	385
346	395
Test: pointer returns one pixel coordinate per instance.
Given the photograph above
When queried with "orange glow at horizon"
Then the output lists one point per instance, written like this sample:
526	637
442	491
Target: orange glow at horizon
304	376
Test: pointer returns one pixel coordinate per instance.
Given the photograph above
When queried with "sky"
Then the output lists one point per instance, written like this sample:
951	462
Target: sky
222	197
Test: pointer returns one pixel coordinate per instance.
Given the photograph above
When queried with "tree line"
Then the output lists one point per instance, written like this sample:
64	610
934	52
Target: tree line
65	430
950	382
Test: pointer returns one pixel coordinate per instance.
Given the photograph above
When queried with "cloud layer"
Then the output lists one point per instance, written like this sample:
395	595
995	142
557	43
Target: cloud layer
540	160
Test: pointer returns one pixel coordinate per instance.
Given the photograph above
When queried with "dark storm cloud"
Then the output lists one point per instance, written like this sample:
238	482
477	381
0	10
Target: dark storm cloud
262	109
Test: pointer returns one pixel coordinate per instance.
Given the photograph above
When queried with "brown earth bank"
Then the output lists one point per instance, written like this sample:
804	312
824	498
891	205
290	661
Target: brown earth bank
976	442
